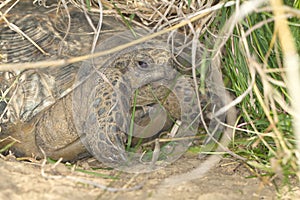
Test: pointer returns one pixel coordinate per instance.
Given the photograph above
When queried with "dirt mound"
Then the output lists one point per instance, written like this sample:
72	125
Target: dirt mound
35	180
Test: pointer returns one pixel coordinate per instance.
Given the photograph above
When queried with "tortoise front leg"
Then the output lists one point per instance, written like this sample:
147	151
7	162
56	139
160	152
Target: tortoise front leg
101	107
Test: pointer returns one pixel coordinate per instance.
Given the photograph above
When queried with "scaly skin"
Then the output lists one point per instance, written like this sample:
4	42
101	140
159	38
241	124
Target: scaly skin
105	124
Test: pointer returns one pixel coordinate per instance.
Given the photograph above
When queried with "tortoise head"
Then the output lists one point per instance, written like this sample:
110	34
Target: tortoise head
144	66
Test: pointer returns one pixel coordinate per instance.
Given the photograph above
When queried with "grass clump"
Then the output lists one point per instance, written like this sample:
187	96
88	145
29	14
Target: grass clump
254	62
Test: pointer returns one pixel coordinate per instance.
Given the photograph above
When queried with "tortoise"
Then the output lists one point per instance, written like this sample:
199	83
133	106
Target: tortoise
65	111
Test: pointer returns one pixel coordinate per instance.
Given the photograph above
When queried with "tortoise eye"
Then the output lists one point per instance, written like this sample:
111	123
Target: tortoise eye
142	64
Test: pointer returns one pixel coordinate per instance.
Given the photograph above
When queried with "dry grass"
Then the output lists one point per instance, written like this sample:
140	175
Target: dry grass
263	76
260	56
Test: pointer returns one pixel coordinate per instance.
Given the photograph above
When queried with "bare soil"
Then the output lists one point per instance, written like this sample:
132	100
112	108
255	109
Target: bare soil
227	180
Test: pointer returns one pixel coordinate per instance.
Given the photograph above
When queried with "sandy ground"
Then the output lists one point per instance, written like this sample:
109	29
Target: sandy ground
227	180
